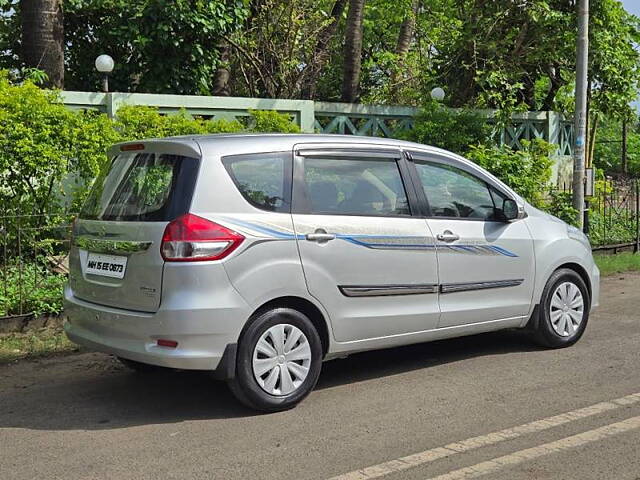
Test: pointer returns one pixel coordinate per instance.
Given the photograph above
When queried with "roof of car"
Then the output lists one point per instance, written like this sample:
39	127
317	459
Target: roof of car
288	140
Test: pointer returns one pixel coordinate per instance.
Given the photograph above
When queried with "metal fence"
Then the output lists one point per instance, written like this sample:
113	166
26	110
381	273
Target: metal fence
34	250
612	219
327	117
613	215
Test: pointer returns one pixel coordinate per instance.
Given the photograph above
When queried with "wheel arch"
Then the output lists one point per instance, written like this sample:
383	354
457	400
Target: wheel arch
581	271
302	305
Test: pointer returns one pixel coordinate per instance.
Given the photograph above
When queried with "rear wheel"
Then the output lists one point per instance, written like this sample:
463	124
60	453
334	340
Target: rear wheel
564	310
278	361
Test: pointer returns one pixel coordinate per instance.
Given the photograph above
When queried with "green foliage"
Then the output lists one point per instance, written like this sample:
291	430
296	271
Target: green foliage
608	148
269	121
527	171
156	48
41	143
611	226
454	130
138	122
30	288
560	204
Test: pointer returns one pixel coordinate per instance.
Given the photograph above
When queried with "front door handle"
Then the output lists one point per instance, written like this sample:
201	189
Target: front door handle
447	236
320	236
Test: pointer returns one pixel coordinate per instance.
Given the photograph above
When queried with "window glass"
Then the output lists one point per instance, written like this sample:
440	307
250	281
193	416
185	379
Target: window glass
355	187
142	187
452	192
498	197
262	179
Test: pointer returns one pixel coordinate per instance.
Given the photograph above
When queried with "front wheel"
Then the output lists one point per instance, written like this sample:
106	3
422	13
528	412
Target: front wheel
564	310
278	361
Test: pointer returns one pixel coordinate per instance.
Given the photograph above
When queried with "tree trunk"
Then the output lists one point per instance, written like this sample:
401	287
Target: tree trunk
352	52
43	38
405	36
223	72
406	30
321	50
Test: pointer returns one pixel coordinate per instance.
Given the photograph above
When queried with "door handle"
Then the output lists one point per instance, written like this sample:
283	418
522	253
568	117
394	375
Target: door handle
320	236
447	236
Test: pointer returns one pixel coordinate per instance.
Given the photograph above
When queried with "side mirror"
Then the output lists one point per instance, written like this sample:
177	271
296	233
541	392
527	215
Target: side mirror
510	210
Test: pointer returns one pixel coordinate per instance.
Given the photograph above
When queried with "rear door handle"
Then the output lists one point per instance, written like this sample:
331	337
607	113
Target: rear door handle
320	236
447	236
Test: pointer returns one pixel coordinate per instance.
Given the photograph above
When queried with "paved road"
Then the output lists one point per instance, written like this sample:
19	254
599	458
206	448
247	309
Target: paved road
407	413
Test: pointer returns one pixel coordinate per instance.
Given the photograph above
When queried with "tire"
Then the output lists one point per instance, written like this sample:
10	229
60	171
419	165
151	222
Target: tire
277	375
139	367
563	313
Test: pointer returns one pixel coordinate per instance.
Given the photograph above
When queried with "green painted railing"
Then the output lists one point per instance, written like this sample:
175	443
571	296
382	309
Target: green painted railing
325	117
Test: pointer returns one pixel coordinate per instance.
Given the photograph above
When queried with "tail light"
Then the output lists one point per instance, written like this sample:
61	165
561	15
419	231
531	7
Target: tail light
190	238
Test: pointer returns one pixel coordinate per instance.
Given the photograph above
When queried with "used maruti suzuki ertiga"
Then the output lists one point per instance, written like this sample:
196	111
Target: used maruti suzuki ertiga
259	256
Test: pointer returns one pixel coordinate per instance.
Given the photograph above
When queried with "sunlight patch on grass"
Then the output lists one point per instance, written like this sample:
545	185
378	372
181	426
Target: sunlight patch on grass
37	343
618	263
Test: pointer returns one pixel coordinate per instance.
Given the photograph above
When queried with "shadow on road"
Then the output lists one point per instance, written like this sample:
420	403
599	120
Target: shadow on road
95	395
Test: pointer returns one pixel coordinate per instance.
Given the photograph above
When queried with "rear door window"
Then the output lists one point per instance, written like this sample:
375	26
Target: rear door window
355	186
264	179
143	187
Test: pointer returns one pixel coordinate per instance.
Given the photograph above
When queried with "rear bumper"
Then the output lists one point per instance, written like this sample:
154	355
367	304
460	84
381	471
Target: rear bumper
202	334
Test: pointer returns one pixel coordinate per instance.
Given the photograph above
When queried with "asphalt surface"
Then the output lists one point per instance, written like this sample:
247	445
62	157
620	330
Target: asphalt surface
84	416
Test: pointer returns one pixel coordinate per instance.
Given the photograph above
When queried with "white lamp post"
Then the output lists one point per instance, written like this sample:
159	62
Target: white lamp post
437	94
104	65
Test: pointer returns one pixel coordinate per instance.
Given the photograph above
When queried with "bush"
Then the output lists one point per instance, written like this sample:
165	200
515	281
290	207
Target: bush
269	121
560	204
42	143
31	288
527	171
138	122
453	130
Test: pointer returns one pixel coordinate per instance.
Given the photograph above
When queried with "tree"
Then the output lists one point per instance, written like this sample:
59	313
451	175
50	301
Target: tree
405	38
43	38
321	50
157	49
281	48
352	62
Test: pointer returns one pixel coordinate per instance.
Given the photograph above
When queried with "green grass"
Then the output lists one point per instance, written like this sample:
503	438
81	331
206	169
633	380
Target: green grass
618	263
38	343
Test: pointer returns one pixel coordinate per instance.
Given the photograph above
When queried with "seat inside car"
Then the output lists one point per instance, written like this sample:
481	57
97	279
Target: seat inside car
324	196
365	198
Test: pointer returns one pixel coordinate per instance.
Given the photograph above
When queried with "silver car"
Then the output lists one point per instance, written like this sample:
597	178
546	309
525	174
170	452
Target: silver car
258	257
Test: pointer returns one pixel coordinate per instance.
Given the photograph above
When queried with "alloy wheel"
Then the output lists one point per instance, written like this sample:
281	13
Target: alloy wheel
566	310
281	359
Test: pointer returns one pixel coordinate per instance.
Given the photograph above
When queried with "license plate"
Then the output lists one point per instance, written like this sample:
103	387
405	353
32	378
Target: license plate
106	265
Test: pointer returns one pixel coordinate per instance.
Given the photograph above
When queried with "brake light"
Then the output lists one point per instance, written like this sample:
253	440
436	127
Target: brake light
132	147
190	238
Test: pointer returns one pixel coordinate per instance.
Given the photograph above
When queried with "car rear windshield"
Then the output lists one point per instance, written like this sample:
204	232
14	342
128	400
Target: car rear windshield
143	187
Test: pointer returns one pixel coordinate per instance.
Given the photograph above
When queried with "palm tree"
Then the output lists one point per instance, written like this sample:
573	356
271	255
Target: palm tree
43	38
352	52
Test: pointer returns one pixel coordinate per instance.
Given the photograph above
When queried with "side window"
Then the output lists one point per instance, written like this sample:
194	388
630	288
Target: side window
263	179
355	186
452	192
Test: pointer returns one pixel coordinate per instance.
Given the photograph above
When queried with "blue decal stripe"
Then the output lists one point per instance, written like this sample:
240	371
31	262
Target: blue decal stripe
360	239
266	230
